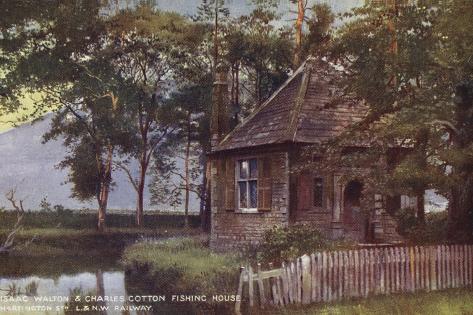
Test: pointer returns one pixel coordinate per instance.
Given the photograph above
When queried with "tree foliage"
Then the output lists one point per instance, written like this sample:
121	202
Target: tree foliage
410	64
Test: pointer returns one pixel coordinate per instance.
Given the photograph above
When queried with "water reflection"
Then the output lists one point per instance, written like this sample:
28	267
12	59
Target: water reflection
53	293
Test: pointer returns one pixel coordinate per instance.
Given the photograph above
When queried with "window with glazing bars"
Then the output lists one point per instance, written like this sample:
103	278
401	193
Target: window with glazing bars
247	184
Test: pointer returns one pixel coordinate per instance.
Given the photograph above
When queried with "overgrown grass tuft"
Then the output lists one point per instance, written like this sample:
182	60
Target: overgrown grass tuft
183	266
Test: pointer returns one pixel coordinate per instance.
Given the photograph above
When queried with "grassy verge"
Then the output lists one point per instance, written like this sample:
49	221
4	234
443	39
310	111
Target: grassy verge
190	266
79	220
449	302
67	242
182	266
57	251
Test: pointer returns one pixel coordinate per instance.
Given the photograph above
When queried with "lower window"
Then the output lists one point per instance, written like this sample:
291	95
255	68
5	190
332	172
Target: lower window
247	184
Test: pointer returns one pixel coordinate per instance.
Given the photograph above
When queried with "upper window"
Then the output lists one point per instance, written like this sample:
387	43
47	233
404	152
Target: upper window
318	193
247	184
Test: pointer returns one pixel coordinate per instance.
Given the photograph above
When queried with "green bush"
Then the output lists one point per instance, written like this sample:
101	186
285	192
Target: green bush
285	243
433	231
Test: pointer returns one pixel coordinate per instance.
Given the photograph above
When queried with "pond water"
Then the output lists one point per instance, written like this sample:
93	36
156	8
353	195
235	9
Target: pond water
46	286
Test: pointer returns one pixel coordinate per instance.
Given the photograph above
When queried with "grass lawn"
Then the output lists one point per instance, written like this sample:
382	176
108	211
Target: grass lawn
449	302
88	241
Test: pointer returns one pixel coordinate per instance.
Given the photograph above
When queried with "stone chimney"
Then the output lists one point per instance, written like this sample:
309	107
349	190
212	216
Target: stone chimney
221	113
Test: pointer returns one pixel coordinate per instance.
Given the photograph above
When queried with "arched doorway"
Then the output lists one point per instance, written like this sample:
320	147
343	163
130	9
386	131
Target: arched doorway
354	220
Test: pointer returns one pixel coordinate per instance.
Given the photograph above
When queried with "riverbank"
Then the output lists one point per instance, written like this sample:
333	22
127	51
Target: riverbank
186	269
57	251
51	242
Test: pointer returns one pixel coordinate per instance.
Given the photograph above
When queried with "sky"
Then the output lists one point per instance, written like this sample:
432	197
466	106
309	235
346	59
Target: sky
189	7
240	7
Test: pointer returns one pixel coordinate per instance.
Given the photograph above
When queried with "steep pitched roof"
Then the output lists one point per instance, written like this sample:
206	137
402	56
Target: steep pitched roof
301	111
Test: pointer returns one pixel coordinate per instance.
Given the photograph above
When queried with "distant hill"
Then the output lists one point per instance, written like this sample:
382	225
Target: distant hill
30	166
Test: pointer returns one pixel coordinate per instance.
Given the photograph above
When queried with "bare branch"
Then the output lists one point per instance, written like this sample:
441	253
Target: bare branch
20	211
128	174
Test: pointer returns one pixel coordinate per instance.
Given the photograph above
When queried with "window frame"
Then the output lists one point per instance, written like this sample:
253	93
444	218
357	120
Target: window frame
323	205
247	180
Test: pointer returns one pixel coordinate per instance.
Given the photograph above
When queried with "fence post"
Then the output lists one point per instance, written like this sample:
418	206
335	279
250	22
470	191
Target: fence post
470	264
453	259
292	271
318	272
372	278
387	275
356	269
377	274
290	283
250	286
462	263
240	291
312	275
306	279
427	267
330	275
397	268
339	275
393	269
285	283
362	265
402	258
349	284
279	290
324	276
299	280
262	297
439	267
422	267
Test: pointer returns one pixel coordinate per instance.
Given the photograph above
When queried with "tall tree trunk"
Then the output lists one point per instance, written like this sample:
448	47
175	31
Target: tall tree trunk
204	206
187	175
216	38
299	21
106	179
140	193
460	211
422	139
258	87
144	123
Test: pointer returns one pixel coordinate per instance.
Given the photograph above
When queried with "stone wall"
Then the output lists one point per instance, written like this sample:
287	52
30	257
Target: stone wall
319	220
242	230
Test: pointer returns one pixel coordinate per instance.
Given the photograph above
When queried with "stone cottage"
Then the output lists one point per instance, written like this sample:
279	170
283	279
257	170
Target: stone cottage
257	172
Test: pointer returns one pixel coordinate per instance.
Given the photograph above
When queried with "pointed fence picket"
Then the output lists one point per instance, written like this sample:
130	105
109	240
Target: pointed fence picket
336	275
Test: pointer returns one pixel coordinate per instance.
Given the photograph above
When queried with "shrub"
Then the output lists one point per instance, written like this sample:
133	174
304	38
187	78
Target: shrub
285	243
45	205
415	232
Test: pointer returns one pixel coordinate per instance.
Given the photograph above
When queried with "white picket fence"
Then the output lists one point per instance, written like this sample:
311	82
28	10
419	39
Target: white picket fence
335	275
